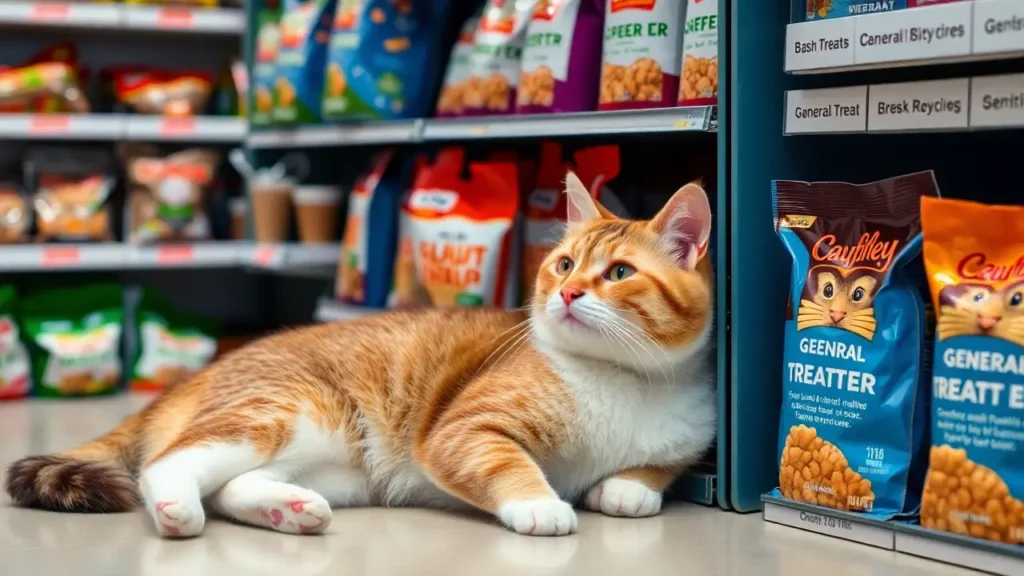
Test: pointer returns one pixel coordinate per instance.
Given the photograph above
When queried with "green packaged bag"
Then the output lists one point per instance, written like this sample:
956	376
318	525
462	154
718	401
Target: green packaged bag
15	380
74	336
171	345
268	41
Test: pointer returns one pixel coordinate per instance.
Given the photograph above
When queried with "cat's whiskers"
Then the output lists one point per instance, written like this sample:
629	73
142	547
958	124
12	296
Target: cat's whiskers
521	338
518	329
639	337
630	350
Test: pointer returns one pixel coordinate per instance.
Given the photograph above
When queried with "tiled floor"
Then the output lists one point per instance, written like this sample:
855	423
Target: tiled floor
684	540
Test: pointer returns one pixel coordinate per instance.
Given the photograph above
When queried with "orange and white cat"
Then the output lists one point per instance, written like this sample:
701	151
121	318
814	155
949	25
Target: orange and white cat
603	395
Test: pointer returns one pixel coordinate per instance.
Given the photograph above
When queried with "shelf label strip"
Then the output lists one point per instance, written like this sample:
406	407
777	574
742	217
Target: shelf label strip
830	525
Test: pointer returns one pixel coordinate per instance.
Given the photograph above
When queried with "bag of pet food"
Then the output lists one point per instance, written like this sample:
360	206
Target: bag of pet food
854	386
301	60
974	260
561	59
379	60
167	200
698	85
546	205
72	189
74	336
462	231
15	208
368	248
15	377
820	9
268	40
171	346
496	58
457	76
406	290
642	48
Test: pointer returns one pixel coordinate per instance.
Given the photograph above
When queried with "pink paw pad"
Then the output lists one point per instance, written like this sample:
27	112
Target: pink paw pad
173	530
160	508
297	506
276	517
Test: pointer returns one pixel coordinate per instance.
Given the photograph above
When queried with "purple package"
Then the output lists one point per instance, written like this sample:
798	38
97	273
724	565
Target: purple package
491	87
562	58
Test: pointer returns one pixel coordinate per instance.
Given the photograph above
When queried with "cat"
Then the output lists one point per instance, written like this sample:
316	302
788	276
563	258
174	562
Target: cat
603	394
839	302
978	310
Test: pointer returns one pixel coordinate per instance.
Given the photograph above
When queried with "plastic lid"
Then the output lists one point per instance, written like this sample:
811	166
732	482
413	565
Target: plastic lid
285	184
238	205
317	195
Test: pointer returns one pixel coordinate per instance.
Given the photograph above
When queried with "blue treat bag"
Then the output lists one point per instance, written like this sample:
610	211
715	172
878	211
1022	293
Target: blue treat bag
854	396
302	51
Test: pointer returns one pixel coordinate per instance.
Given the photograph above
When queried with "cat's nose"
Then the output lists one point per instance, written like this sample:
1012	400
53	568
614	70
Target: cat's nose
570	293
837	315
987	322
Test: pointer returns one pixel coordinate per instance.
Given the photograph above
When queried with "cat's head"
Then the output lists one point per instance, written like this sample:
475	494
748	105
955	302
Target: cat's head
841	297
639	293
980	310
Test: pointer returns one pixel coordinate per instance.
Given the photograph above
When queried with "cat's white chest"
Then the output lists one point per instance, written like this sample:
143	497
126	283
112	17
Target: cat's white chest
624	421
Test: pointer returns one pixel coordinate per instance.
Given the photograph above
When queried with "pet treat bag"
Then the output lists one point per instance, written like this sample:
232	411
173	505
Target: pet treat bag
379	59
642	53
547	205
268	40
72	188
497	57
15	379
561	59
820	9
853	412
974	259
301	59
168	198
462	230
699	83
457	77
368	248
74	335
171	346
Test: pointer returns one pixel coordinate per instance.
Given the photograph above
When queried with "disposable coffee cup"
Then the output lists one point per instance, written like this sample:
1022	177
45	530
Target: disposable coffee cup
317	211
239	209
271	209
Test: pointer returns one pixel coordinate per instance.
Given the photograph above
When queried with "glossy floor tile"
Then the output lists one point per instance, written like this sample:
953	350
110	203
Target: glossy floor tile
684	540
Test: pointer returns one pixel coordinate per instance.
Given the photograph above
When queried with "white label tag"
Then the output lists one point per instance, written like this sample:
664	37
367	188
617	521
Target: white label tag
917	105
828	110
822	44
997	100
998	26
829	525
919	34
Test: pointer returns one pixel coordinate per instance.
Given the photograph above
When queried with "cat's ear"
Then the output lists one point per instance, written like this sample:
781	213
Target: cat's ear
582	206
684	225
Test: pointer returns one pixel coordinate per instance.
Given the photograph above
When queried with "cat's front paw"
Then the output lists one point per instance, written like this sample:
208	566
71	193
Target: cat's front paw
626	498
539	516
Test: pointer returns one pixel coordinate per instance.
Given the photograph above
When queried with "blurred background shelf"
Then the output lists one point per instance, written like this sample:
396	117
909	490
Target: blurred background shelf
223	21
112	127
330	310
357	133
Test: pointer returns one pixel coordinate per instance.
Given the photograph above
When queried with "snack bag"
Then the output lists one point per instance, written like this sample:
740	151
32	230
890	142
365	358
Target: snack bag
72	189
642	47
172	346
854	391
456	85
368	249
378	60
462	230
74	335
15	217
498	50
168	197
699	83
301	59
819	9
15	381
151	91
974	259
561	63
546	205
268	40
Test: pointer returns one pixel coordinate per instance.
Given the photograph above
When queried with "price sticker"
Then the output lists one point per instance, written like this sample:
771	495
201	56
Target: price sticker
478	130
48	11
684	124
61	256
177	126
175	255
174	18
265	255
49	124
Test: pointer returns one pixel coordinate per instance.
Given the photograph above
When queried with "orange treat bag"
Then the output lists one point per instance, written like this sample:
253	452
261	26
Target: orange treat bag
462	230
974	259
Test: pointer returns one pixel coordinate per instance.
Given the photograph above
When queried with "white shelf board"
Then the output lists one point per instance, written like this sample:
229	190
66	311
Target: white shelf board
329	310
290	256
356	133
195	255
973	553
218	129
661	120
226	129
939	34
53	14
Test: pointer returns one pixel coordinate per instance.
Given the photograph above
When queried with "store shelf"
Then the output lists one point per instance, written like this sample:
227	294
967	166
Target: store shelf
688	119
122	127
903	537
396	132
980	103
330	310
293	256
114	17
945	33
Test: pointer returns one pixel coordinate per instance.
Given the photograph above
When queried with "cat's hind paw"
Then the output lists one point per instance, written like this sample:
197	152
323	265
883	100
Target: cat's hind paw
539	516
176	519
624	498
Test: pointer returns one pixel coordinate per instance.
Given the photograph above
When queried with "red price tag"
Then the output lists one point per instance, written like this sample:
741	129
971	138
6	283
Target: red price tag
174	18
49	124
177	126
265	255
49	11
175	254
61	256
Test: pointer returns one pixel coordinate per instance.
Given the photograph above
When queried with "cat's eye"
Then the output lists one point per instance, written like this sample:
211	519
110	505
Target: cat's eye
979	297
858	294
828	290
620	272
1016	299
564	265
